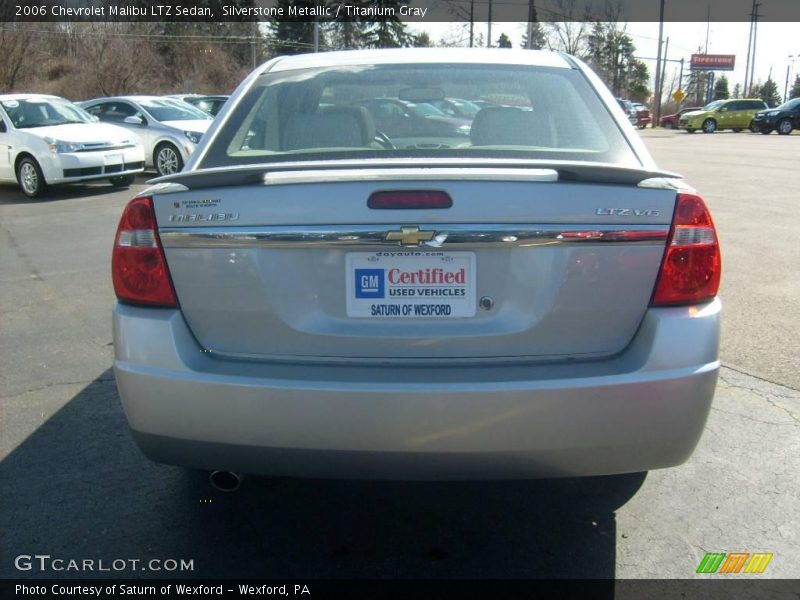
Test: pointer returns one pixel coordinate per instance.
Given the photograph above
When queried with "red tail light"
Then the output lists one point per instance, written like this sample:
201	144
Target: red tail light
691	268
409	199
138	267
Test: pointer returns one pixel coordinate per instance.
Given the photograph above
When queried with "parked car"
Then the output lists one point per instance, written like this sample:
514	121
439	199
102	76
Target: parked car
671	121
630	111
782	119
169	129
643	118
457	107
210	104
734	114
47	140
313	297
401	118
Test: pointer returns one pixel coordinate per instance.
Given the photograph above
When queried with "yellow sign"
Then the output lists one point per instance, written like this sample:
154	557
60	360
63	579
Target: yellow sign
679	96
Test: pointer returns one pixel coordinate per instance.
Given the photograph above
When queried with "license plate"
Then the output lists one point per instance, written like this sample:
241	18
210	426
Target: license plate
410	284
113	159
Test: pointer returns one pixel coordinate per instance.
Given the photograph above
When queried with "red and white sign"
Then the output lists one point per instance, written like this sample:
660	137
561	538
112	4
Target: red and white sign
712	62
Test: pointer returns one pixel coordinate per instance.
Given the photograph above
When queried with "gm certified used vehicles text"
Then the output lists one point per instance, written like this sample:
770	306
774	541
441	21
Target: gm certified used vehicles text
312	296
47	140
722	114
169	129
782	119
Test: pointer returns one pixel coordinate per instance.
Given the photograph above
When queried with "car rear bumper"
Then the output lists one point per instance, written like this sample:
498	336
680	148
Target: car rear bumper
643	409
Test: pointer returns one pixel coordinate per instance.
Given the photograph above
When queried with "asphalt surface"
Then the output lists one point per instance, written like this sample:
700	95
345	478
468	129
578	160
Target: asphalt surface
74	486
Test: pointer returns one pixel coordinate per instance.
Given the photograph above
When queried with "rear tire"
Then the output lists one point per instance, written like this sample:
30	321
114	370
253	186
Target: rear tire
765	130
784	127
709	126
752	127
669	125
736	130
122	180
30	178
690	131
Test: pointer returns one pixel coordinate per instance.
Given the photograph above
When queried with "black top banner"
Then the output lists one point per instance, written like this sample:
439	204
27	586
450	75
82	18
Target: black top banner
419	11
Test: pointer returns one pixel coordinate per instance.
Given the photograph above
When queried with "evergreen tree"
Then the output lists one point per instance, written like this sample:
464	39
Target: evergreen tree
795	91
538	38
768	93
422	40
294	35
350	34
503	41
610	51
721	89
389	32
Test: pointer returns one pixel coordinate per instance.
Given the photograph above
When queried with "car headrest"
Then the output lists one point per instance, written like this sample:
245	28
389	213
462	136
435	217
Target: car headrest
506	126
334	127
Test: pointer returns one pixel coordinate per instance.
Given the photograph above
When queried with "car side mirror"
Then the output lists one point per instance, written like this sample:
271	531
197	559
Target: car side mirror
2	127
133	120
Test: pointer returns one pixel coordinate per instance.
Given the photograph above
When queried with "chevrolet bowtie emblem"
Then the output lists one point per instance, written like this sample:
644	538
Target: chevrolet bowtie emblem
410	236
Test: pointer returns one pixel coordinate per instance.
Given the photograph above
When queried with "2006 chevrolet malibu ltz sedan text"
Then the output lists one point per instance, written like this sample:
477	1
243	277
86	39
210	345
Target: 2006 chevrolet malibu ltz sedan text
315	297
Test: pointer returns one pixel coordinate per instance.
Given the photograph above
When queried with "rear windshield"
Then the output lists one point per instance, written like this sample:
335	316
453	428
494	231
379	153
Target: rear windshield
396	111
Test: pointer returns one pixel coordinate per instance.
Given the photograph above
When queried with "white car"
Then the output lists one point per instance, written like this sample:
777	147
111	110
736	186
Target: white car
170	129
46	140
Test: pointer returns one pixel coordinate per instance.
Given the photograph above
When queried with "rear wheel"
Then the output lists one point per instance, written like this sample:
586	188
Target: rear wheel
689	130
752	127
784	127
765	130
669	125
30	178
167	159
122	180
709	126
736	130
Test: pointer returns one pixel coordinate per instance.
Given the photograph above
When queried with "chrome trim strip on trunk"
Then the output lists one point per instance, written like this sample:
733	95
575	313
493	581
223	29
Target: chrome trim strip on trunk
445	236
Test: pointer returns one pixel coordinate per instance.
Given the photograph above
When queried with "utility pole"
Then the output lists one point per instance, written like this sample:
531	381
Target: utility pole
316	34
531	18
255	39
755	44
657	94
471	22
489	33
680	82
749	49
789	69
664	69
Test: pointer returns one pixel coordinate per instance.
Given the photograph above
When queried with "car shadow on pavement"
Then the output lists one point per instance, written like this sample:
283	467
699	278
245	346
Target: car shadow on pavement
11	194
78	488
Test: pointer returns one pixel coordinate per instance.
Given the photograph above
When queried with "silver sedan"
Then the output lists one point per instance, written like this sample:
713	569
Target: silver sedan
169	129
318	294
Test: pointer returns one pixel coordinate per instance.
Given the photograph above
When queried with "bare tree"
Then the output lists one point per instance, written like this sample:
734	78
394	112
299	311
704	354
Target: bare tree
15	55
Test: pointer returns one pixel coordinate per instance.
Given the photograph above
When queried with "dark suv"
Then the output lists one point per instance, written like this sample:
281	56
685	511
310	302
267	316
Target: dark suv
782	119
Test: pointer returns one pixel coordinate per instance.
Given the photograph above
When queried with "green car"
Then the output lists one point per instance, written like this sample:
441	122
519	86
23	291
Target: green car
722	114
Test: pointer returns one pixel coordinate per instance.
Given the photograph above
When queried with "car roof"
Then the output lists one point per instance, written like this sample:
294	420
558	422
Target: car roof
506	56
130	98
27	96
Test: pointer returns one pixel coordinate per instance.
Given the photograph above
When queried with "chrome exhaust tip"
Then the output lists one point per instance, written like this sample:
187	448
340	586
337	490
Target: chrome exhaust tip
225	481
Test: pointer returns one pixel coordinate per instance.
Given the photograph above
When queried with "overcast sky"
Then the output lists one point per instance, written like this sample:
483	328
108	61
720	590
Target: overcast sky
775	42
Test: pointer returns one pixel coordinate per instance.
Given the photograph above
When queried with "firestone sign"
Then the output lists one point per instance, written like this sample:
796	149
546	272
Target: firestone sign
713	62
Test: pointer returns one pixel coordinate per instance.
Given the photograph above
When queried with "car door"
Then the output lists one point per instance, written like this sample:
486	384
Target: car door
119	110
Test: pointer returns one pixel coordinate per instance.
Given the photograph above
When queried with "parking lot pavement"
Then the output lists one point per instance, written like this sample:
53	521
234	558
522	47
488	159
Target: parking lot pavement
75	486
